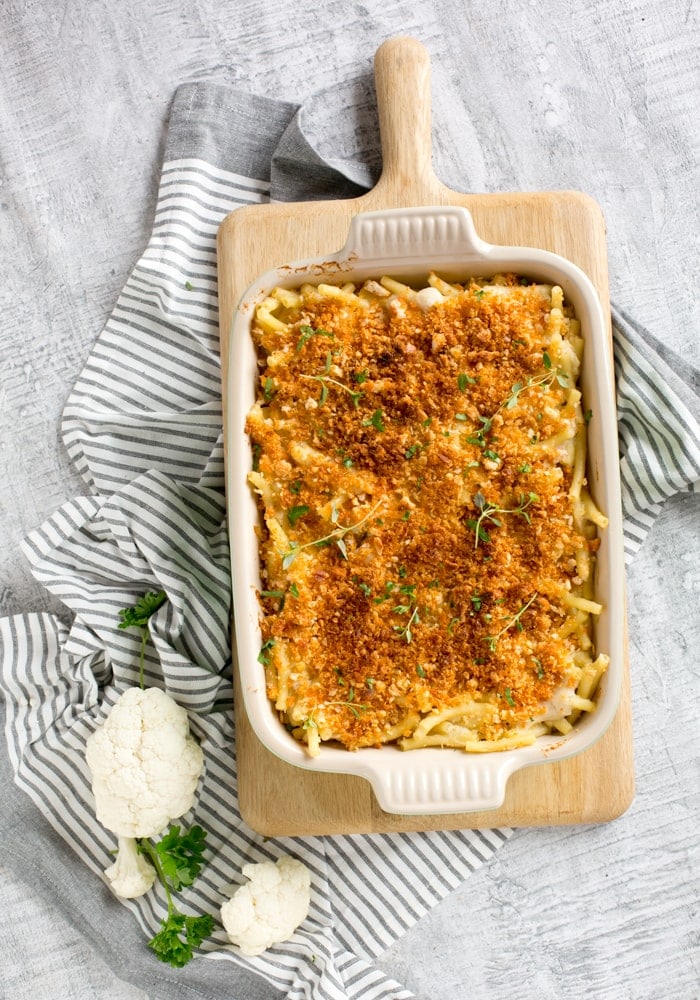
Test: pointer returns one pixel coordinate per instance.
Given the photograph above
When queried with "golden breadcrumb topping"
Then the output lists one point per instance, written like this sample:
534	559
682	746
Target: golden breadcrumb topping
413	457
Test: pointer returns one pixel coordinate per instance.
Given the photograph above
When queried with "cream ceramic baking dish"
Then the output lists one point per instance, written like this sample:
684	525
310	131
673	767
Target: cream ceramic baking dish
407	244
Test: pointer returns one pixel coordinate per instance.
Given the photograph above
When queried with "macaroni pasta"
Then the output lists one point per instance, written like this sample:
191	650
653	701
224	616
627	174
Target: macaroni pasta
428	537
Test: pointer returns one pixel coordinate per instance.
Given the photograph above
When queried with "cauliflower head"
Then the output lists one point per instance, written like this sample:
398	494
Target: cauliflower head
270	907
144	763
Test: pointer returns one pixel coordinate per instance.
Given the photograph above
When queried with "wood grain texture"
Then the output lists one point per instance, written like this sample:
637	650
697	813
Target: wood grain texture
277	798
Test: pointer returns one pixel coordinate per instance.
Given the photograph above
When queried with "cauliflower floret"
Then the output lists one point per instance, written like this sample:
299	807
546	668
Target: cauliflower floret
428	297
131	875
145	766
270	907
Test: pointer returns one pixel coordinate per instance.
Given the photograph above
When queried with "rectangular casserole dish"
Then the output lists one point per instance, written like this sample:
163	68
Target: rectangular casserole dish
407	244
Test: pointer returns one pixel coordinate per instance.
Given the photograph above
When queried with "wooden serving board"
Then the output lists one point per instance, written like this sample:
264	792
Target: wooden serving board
278	799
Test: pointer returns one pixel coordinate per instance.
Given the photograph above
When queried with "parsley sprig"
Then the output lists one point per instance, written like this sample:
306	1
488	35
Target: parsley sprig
137	617
177	859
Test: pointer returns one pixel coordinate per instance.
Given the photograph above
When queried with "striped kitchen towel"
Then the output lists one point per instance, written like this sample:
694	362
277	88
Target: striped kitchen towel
143	426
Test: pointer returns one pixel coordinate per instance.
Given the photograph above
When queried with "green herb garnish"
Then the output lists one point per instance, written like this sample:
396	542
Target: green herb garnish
492	640
294	513
307	332
137	616
177	859
488	511
376	421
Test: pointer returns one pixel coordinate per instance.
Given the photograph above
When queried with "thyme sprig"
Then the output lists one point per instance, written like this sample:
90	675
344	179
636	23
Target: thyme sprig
488	512
325	380
404	631
550	376
355	707
335	537
492	640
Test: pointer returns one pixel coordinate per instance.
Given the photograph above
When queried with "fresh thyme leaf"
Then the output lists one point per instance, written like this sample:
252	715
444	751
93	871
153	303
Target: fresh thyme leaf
336	536
412	451
361	377
489	511
492	640
587	416
461	417
257	452
355	708
295	488
463	380
405	630
547	361
325	380
508	695
515	391
369	683
189	286
294	590
525	467
272	593
420	671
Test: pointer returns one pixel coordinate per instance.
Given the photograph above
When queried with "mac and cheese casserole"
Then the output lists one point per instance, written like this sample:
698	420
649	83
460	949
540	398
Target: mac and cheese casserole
427	536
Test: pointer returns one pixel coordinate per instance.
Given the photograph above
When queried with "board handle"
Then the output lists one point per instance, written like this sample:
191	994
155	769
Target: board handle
402	77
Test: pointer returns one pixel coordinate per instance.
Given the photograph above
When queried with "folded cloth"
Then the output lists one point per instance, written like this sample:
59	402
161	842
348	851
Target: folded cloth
143	426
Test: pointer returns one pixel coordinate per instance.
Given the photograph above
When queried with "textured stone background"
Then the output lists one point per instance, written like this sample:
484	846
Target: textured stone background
599	96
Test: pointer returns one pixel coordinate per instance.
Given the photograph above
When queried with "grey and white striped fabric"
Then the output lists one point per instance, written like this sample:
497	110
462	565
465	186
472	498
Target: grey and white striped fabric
143	425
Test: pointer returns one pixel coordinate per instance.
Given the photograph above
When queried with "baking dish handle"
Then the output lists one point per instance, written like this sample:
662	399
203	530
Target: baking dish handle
425	786
420	233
